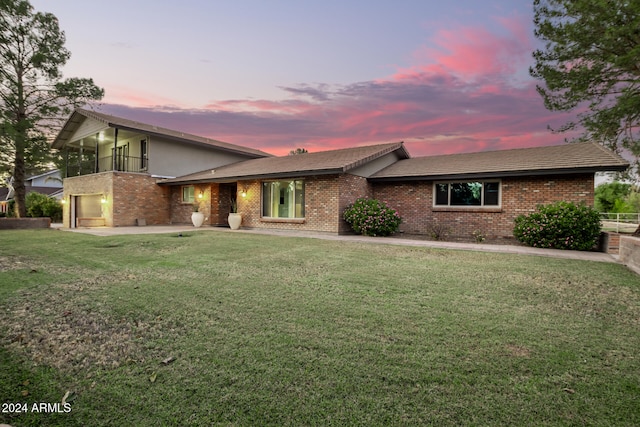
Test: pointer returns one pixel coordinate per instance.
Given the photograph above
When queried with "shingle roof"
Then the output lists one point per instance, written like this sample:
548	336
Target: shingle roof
80	114
559	159
320	163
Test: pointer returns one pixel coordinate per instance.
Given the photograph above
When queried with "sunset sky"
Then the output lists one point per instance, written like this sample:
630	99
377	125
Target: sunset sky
444	77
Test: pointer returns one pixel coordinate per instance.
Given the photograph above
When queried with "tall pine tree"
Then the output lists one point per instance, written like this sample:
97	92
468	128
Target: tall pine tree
34	98
591	64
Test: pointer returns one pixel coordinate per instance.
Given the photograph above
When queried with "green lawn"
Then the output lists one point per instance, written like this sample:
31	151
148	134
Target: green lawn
262	330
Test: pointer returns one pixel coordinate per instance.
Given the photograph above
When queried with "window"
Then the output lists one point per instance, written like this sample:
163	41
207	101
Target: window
467	193
188	194
283	199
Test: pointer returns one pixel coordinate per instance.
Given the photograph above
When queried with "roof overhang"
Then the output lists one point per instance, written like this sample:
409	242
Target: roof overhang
499	174
272	176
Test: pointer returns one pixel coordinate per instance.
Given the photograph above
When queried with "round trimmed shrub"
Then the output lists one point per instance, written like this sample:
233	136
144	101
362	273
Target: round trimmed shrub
562	225
372	217
40	205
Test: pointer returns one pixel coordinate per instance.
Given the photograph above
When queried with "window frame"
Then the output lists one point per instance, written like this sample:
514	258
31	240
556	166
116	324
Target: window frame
482	204
182	194
279	218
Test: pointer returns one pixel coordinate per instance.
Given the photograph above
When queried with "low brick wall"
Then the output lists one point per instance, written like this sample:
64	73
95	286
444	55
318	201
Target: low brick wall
609	242
630	252
24	223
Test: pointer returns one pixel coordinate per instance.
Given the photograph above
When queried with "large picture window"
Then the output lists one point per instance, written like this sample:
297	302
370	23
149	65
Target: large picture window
467	193
283	199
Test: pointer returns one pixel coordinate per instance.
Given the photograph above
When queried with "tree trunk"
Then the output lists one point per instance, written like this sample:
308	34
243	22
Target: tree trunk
20	195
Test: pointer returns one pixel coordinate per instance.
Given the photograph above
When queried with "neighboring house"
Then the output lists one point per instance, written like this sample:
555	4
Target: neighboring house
48	183
459	193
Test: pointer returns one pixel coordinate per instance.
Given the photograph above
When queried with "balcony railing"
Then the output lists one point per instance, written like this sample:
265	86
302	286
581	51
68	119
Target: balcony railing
104	164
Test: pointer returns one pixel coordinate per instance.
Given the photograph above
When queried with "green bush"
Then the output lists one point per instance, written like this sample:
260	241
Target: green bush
371	217
41	205
561	225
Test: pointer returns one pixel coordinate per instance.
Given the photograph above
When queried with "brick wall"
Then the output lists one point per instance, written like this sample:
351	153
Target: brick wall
321	206
352	187
128	196
215	203
414	203
137	196
98	183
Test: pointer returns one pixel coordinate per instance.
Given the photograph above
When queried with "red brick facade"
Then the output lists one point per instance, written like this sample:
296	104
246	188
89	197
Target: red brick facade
325	199
128	197
414	203
131	196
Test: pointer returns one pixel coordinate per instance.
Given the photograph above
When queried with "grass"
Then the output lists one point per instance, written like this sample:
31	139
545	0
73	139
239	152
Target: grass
234	329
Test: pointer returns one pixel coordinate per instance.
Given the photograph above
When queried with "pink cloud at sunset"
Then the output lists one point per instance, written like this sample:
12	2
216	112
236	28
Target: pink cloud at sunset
468	92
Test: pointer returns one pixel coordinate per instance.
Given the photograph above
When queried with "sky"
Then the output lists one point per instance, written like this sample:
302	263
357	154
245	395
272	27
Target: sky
275	75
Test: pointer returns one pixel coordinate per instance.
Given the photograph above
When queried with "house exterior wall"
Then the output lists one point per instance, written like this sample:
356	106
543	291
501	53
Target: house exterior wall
99	183
320	206
169	158
414	203
352	187
214	204
137	196
128	197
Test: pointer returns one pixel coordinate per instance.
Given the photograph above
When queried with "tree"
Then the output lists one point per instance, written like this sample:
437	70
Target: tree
590	64
607	195
298	151
34	99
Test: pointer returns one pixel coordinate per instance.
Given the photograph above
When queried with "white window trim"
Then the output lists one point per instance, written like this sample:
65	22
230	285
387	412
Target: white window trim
462	181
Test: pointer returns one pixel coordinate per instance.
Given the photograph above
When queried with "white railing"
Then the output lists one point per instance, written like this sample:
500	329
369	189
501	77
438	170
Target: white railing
621	221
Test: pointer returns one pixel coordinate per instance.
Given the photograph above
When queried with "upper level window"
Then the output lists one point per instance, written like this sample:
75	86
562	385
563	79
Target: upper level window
283	199
467	193
188	194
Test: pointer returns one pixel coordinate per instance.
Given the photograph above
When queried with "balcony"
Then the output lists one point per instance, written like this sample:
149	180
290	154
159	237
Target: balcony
105	164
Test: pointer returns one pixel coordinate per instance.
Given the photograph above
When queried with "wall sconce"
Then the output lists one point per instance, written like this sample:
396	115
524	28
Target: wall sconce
243	192
63	201
103	200
200	196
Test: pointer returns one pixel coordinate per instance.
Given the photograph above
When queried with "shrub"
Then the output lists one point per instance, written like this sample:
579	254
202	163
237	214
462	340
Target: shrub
41	205
561	225
371	217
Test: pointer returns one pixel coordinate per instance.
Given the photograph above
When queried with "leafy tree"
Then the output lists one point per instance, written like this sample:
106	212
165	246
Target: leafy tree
34	99
298	151
590	64
606	195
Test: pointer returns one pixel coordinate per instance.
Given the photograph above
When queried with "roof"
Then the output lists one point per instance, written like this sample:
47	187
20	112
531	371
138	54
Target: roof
79	115
320	163
559	159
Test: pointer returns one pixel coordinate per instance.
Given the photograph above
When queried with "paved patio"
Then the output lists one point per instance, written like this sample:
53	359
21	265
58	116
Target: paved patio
481	247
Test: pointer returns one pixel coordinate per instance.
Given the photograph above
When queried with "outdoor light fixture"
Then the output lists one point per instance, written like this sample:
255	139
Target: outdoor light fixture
103	200
243	192
200	196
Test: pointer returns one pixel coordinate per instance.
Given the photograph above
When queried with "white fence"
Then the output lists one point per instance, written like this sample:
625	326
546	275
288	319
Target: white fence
626	222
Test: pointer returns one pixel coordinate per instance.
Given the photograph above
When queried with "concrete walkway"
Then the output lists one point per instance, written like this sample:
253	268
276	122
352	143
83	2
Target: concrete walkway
480	247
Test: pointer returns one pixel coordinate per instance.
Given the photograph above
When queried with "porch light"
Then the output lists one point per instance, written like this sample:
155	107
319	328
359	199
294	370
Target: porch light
243	192
103	200
200	196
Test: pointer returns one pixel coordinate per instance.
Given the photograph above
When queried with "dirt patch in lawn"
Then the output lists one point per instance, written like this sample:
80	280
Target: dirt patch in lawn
64	327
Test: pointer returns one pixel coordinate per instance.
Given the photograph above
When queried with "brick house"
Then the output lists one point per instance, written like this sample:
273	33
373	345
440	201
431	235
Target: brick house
459	193
113	165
